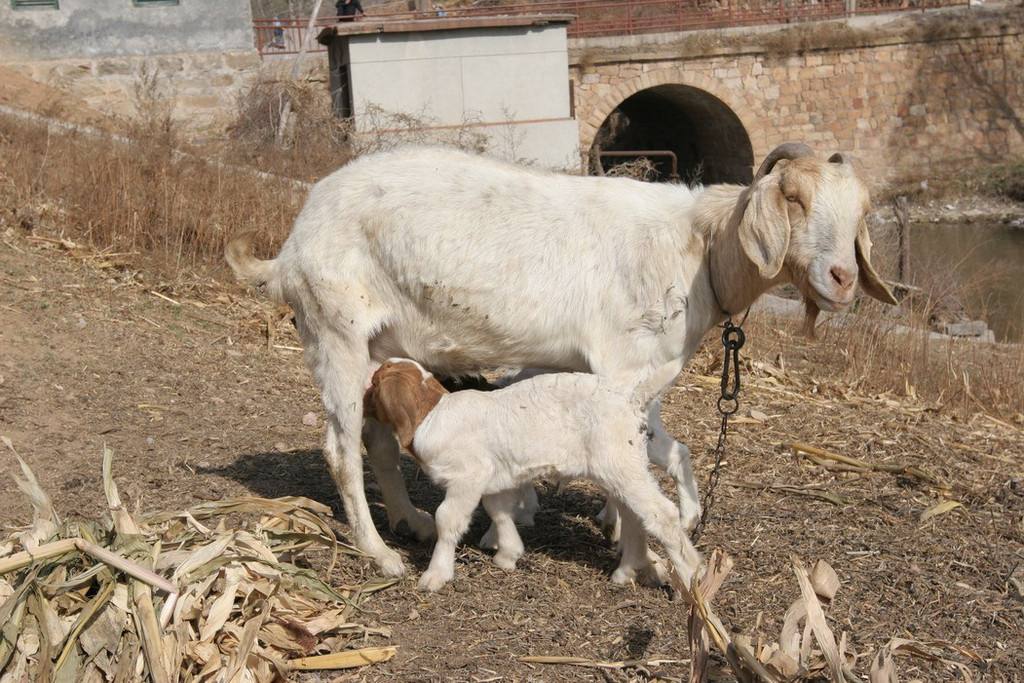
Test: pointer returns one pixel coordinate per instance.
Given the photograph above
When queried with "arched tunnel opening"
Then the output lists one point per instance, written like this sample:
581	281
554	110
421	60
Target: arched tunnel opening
709	141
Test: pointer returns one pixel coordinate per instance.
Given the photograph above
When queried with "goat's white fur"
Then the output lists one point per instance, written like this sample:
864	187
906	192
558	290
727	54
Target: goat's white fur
463	263
487	445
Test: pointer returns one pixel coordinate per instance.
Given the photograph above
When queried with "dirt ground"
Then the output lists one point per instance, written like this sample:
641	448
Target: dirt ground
180	382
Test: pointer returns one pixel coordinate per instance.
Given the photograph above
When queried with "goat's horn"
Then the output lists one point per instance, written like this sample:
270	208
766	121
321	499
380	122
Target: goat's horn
837	158
788	150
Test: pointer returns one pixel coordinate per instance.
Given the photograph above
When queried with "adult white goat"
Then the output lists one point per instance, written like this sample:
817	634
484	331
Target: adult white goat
462	263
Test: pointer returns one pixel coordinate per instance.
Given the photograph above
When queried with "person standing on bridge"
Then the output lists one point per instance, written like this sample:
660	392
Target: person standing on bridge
347	9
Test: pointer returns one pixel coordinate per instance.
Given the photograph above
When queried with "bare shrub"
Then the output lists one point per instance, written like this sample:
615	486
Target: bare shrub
384	130
153	99
640	168
315	142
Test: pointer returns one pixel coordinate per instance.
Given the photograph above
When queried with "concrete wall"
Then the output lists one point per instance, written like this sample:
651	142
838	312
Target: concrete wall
97	28
904	108
508	83
204	86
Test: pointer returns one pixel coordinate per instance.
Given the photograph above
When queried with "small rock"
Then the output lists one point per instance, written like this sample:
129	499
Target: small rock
280	447
758	415
309	419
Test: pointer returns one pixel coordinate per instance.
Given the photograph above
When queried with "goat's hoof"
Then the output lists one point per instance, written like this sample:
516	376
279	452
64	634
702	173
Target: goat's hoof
525	519
689	521
623	576
418	524
489	541
654	575
390	564
611	531
432	580
651	575
507	561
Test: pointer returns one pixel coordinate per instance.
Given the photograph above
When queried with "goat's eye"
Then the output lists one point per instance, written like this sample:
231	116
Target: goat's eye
792	198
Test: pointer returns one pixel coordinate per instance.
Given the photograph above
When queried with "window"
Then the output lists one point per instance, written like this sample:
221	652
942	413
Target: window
22	4
153	3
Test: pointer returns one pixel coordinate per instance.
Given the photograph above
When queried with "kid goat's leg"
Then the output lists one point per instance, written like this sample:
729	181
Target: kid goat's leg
453	517
501	508
526	507
638	562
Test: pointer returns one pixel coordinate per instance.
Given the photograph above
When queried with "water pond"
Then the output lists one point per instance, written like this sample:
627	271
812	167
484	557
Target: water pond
987	262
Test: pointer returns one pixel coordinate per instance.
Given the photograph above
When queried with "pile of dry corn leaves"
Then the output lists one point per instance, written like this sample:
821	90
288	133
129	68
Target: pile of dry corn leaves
196	595
810	653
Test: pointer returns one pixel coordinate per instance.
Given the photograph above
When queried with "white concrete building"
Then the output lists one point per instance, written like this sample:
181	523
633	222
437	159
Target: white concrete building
500	79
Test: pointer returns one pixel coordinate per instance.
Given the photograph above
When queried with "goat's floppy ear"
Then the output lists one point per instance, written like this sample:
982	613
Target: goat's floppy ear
872	284
764	227
385	403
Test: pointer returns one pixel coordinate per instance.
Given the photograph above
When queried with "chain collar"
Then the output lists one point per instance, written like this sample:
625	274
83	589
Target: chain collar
733	339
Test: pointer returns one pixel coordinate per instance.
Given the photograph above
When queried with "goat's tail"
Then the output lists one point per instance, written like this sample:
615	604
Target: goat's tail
652	386
250	270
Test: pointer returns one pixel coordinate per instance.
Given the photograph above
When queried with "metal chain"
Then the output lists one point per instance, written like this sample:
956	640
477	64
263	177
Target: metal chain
728	403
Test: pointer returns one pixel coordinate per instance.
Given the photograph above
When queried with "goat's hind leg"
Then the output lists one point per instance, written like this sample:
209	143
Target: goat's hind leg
385	460
638	562
341	363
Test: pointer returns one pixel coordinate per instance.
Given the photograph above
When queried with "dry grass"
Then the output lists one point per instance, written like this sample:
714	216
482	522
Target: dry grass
141	198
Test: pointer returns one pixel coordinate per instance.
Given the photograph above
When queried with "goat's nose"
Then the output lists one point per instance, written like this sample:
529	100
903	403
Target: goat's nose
843	277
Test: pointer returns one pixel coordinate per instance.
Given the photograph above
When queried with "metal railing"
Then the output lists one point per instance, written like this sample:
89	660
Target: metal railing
621	17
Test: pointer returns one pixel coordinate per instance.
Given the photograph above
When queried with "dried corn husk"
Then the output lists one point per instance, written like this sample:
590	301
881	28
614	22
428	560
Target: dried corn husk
175	596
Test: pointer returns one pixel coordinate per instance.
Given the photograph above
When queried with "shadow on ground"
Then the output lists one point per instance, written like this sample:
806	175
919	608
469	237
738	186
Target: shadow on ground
563	531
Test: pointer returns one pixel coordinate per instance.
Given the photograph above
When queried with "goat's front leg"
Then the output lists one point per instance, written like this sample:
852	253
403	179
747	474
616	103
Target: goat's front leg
385	460
674	456
501	507
526	507
453	517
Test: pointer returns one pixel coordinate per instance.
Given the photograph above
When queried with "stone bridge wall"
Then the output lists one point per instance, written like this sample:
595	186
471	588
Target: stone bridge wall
903	108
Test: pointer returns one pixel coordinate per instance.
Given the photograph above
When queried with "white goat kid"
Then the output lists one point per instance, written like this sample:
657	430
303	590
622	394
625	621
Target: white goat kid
462	262
486	445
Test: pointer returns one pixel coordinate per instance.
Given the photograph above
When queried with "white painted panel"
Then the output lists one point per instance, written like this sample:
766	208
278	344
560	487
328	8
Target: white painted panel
525	86
430	91
549	144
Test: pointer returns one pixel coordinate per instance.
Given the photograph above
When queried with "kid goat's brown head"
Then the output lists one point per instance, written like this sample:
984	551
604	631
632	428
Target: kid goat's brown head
401	395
